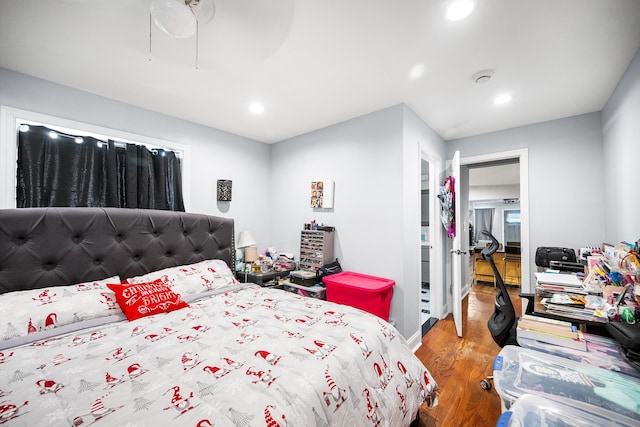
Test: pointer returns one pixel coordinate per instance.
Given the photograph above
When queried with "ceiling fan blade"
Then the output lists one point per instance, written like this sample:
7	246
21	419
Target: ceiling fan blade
174	18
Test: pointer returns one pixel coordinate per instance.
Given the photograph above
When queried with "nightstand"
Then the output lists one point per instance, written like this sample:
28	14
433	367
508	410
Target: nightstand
261	278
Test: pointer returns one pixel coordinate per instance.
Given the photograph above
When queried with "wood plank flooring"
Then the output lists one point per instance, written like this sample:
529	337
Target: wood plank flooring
458	364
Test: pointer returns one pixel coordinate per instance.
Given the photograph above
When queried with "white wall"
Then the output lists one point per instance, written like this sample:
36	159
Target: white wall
621	160
213	154
566	178
491	192
375	163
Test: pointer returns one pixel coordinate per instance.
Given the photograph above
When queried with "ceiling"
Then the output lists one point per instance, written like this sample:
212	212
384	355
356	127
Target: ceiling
316	63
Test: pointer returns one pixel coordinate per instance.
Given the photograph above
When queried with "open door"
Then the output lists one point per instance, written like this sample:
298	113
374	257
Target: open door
460	241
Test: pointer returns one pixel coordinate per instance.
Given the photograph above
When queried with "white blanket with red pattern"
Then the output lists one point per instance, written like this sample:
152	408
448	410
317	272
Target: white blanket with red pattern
248	357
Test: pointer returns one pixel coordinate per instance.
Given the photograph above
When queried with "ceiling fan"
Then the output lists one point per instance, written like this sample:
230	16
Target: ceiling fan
246	31
180	18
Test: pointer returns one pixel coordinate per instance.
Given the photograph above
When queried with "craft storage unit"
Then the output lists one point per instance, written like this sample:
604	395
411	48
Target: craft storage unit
316	249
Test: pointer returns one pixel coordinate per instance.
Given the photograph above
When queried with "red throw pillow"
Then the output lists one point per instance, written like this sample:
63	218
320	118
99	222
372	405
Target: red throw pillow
144	299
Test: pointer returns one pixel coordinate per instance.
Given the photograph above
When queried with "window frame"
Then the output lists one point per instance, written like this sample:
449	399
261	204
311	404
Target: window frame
11	118
505	213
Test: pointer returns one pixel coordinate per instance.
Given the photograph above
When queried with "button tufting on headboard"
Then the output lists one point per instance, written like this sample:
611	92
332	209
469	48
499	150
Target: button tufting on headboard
59	246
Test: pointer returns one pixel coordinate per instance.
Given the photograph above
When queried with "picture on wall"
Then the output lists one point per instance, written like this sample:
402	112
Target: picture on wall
224	190
322	194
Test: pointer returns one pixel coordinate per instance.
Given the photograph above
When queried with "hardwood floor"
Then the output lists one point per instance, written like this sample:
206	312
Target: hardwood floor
458	364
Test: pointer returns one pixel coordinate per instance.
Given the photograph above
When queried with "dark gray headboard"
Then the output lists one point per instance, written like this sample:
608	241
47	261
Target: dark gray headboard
42	247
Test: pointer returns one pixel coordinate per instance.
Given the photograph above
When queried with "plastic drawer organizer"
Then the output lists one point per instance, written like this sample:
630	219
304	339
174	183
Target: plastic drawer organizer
368	293
314	291
532	410
518	371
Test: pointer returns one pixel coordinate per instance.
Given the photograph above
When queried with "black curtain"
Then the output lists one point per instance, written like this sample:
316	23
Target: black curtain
58	171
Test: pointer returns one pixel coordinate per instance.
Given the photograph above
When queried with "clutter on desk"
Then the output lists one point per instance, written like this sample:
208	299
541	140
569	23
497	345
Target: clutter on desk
610	282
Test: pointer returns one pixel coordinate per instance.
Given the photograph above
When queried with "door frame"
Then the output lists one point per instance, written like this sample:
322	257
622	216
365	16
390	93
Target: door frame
523	158
437	306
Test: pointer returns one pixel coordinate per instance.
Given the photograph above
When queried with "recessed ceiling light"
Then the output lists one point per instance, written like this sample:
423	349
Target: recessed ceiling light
502	99
417	71
459	9
256	108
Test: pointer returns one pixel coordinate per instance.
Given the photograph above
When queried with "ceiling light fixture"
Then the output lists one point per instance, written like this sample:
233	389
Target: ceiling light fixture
504	98
256	108
417	71
459	9
180	18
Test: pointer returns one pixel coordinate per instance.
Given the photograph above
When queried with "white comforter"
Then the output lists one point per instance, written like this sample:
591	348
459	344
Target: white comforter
248	357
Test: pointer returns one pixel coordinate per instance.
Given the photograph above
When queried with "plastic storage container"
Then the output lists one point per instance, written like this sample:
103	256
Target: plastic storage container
316	291
368	293
601	351
518	371
536	411
304	277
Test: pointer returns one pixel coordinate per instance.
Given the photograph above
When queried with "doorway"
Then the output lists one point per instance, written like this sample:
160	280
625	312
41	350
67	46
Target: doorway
512	208
427	316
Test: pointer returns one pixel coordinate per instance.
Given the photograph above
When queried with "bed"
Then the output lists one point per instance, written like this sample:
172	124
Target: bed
133	317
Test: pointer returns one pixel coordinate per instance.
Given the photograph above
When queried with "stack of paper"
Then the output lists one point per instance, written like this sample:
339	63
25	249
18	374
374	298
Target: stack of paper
557	282
550	331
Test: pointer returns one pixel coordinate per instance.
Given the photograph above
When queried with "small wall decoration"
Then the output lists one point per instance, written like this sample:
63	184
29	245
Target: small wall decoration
224	190
322	194
447	198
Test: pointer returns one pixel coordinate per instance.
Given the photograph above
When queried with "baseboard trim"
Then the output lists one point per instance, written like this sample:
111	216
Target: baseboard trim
415	341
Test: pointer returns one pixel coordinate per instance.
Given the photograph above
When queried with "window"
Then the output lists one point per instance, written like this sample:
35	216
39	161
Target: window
13	118
511	225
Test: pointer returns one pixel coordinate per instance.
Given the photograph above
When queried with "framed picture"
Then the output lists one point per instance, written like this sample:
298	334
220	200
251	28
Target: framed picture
322	194
224	190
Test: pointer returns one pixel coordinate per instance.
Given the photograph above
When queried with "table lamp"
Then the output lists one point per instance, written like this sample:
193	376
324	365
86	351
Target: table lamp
250	252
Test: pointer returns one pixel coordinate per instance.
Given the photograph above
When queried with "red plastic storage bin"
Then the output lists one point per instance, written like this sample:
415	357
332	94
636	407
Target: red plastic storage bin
368	293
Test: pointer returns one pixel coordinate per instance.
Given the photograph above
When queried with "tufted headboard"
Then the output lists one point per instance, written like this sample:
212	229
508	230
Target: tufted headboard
42	247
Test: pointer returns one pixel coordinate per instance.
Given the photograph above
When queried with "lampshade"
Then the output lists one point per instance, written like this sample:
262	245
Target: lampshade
250	254
245	239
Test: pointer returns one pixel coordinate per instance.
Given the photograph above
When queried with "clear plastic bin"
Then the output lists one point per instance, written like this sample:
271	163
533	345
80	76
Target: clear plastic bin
518	371
317	292
602	352
530	410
